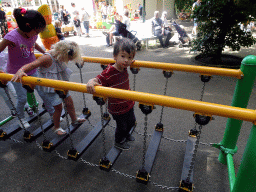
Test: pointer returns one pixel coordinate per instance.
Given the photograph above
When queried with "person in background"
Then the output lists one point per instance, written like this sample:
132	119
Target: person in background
140	10
77	24
57	26
159	30
86	21
195	5
104	12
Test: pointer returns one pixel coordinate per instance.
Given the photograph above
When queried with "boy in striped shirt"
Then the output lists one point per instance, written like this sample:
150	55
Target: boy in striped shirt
116	76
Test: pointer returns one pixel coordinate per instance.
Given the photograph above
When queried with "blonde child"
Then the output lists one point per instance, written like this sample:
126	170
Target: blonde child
53	65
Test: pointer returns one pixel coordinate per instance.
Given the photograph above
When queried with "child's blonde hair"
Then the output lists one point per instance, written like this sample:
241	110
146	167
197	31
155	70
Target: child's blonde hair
57	24
64	51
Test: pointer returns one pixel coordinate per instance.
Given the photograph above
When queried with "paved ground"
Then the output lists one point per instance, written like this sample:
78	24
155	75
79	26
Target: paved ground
26	168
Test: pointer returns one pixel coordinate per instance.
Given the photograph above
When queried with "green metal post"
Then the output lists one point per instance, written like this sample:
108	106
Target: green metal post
231	171
240	99
246	176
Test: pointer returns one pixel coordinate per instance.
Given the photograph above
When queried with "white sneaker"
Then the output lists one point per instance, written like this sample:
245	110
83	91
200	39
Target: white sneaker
25	123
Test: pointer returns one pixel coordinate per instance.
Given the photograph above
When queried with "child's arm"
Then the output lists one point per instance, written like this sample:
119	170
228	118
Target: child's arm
44	61
4	43
90	85
38	48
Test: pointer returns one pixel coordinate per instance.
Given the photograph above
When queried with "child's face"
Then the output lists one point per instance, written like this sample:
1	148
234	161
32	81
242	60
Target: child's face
123	60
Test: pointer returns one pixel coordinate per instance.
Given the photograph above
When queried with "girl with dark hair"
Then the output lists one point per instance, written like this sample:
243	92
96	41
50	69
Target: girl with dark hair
21	43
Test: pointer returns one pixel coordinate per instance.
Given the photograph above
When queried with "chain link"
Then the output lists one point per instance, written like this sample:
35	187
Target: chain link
194	154
39	146
165	90
68	125
62	157
145	141
88	163
103	132
134	81
14	108
16	141
81	77
38	117
202	92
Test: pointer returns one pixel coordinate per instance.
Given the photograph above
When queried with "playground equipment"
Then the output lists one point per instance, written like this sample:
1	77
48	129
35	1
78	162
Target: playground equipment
236	114
49	35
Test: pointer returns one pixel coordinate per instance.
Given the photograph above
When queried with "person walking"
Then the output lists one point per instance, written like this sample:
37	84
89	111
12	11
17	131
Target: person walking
195	5
86	21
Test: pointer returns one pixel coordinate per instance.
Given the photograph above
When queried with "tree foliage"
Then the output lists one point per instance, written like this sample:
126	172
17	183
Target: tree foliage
219	27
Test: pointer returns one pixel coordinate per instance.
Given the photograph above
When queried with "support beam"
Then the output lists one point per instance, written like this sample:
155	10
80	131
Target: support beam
87	141
29	137
143	174
113	154
184	184
51	145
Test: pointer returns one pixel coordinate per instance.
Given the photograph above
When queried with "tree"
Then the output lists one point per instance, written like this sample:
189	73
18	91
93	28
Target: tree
219	27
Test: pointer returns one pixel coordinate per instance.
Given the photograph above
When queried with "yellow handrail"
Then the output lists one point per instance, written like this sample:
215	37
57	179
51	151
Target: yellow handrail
204	108
237	73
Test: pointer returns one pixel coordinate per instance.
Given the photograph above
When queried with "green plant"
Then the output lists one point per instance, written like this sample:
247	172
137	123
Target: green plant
219	27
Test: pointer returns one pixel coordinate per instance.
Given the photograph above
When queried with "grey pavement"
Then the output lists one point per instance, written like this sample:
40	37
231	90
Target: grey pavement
25	167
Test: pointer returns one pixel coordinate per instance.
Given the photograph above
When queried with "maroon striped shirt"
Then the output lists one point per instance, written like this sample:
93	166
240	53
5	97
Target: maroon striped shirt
111	77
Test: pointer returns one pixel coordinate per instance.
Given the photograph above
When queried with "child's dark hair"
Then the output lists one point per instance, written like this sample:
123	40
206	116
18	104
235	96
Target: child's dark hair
124	44
28	20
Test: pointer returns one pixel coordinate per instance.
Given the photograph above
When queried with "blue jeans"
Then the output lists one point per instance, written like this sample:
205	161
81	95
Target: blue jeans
86	26
22	98
11	91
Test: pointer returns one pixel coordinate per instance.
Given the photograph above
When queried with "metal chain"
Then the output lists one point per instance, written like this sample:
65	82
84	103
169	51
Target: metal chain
88	163
194	154
16	141
165	90
62	157
106	106
81	77
103	132
13	106
202	92
134	81
38	145
39	118
145	141
90	123
69	132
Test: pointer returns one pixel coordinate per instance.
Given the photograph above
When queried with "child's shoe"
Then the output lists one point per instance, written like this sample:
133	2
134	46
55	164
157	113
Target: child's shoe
30	112
25	123
130	138
122	146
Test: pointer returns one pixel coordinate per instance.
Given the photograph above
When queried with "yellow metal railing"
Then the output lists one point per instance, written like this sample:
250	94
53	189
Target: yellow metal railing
237	73
203	108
